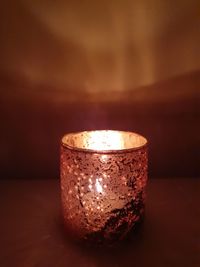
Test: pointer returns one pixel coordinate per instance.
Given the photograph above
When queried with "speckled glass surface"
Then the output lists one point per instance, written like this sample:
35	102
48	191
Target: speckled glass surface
103	180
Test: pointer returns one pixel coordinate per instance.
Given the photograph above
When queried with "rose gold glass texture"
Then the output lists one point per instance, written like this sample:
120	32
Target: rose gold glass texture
103	180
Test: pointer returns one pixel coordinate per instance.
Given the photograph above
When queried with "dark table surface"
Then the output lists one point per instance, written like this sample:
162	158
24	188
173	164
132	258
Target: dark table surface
31	232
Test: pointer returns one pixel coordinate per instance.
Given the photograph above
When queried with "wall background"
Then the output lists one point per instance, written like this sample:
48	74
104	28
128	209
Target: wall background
74	65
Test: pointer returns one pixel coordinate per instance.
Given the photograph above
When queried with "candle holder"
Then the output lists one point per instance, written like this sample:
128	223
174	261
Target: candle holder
103	180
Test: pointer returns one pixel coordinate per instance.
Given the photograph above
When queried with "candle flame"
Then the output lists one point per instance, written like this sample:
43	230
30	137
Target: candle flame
98	186
105	140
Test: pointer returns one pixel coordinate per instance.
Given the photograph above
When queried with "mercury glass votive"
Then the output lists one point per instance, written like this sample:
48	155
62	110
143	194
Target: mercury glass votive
103	180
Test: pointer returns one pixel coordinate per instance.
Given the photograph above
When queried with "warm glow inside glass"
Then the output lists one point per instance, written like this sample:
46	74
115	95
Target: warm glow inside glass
103	180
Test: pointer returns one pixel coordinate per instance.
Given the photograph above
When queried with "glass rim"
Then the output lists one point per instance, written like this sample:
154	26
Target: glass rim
103	151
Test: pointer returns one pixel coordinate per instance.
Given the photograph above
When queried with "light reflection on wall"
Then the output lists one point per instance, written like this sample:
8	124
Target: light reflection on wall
98	47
